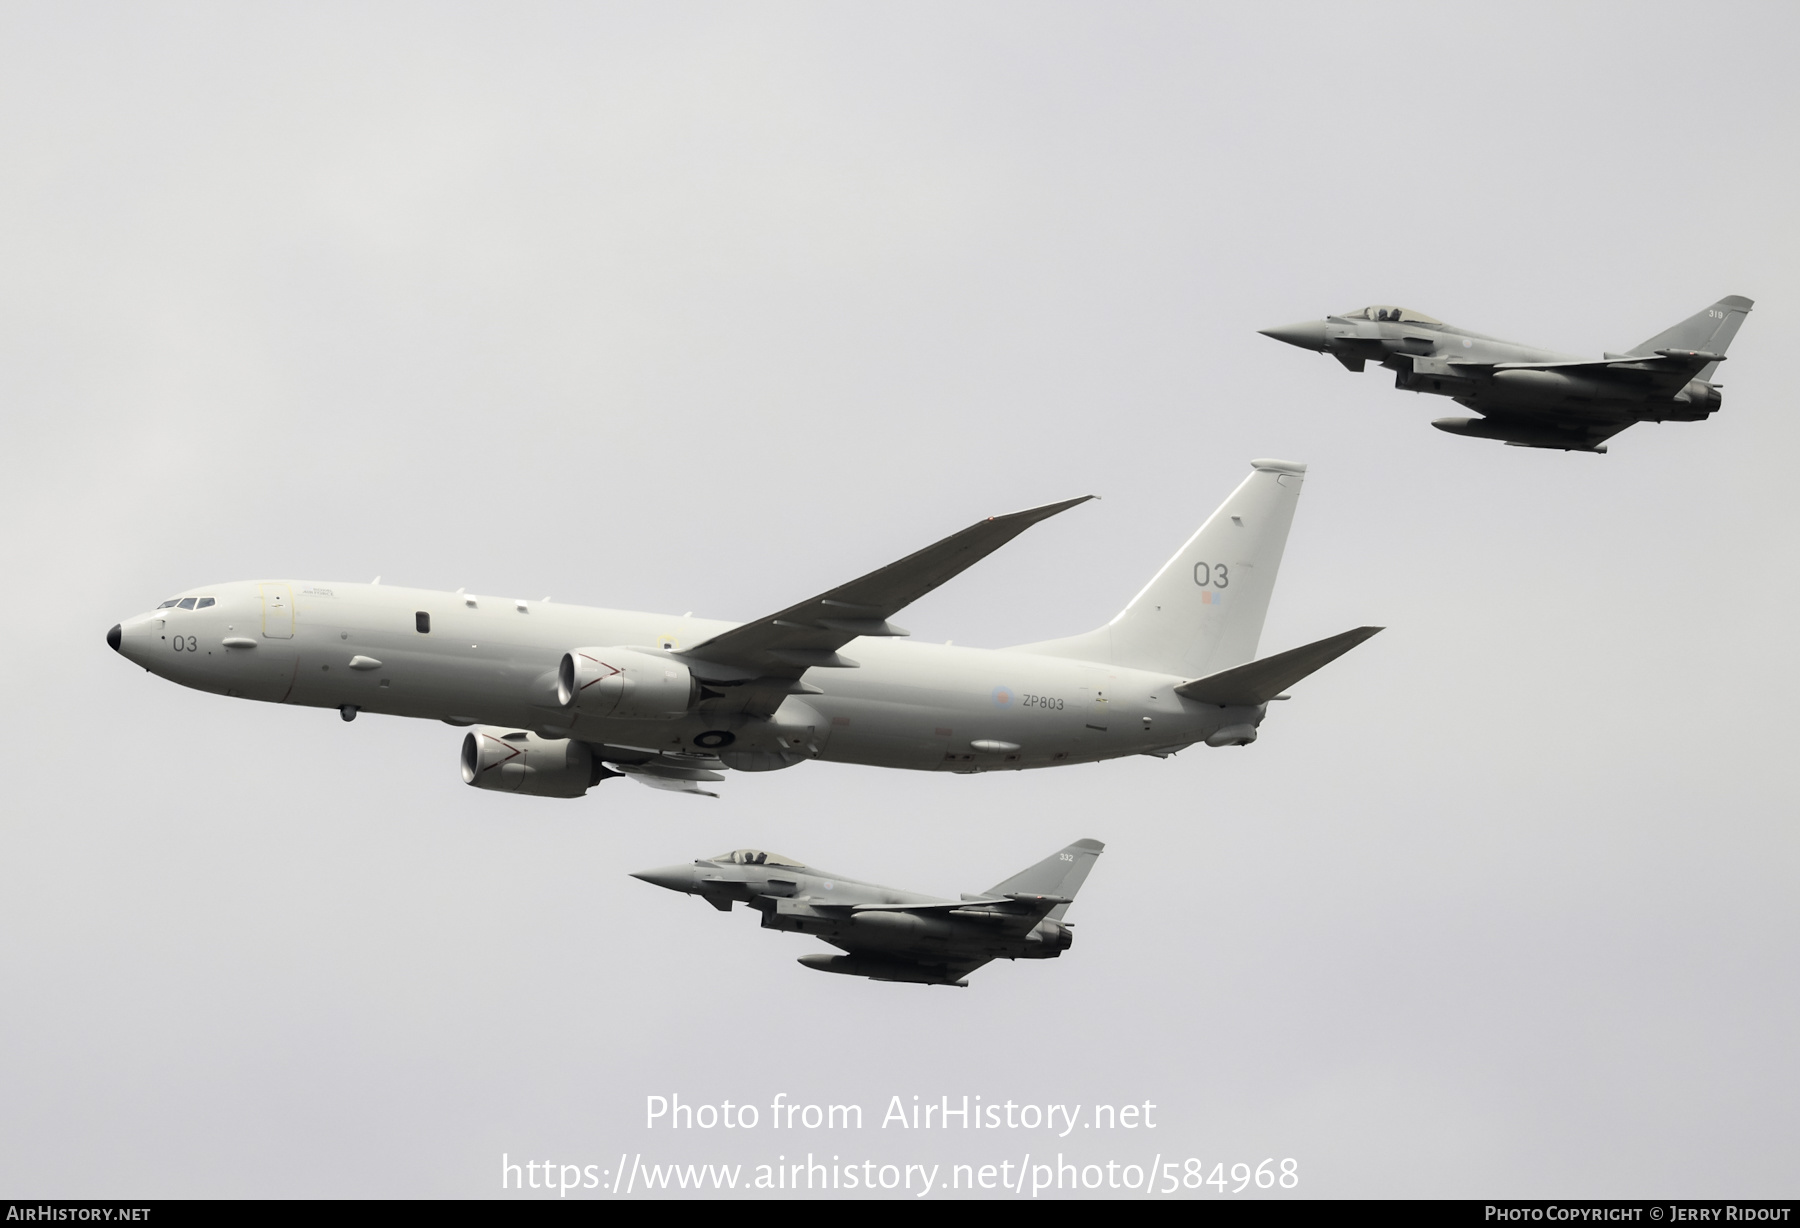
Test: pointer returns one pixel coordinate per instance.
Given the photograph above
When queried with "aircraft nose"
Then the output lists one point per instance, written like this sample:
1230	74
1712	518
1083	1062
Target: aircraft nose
1308	334
675	878
114	636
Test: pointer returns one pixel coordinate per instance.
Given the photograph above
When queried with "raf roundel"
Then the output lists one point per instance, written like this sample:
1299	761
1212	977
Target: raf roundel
1003	697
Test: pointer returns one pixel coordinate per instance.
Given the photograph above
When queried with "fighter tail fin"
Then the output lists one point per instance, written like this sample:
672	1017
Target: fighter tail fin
1709	331
1058	874
1203	612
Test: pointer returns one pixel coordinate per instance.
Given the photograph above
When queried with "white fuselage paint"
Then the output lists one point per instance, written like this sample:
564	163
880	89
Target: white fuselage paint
492	661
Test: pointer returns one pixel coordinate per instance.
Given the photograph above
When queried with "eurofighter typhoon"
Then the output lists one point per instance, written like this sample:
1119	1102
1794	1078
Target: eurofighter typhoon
561	697
893	935
1529	397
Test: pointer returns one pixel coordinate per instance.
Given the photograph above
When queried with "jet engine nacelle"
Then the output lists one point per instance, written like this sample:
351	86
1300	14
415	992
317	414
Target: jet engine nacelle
518	761
624	684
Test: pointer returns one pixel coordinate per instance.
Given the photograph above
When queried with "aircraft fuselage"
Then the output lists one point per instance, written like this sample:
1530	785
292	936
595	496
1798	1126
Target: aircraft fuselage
478	660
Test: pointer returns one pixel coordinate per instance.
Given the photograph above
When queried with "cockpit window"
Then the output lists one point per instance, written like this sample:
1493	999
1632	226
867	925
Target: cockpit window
171	601
186	603
203	603
756	857
1391	315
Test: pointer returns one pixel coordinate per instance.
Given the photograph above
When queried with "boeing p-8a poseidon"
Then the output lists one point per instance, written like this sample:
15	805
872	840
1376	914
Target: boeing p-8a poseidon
562	697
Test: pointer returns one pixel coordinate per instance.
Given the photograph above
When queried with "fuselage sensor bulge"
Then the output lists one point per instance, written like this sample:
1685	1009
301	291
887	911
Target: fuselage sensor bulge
559	697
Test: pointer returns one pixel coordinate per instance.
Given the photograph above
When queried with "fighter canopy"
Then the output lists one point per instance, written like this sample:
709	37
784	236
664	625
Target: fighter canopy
1392	315
756	857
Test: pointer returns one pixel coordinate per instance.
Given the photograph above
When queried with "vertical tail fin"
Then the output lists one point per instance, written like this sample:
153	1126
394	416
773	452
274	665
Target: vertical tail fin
1058	874
1203	612
1709	331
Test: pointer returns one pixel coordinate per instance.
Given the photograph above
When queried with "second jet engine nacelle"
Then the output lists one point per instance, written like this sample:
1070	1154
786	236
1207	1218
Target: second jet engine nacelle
624	684
518	761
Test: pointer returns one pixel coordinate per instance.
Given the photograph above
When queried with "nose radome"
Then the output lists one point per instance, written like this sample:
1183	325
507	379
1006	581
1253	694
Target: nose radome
675	878
1308	334
114	636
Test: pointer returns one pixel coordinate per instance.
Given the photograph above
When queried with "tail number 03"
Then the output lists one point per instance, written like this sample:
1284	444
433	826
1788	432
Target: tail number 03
186	644
1215	576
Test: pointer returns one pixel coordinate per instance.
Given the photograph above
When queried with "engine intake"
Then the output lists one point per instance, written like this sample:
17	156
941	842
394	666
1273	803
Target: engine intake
624	684
518	761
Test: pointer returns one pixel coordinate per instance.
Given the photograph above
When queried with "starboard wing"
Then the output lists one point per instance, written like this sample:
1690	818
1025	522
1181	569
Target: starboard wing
784	645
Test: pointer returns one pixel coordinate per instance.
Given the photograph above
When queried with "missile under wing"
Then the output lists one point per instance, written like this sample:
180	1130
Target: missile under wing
1530	397
892	935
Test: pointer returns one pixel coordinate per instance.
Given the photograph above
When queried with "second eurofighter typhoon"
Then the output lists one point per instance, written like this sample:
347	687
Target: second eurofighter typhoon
564	696
1530	397
893	935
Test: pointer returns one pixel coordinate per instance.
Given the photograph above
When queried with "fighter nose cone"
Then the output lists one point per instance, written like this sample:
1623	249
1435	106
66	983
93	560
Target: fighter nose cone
1308	334
114	636
675	878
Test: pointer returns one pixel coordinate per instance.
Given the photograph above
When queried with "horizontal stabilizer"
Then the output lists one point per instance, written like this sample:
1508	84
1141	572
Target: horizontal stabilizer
1260	681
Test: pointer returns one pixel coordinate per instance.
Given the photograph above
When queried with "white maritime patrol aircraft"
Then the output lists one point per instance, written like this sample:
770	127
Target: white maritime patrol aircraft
561	697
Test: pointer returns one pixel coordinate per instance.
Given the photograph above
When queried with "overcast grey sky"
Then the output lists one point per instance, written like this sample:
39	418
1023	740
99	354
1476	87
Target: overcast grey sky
710	307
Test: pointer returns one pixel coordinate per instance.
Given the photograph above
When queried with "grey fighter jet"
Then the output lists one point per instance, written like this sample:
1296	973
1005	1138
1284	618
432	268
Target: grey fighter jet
1528	397
896	935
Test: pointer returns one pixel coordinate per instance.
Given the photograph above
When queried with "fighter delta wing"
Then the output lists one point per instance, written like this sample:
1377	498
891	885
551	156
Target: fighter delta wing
890	935
1529	397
